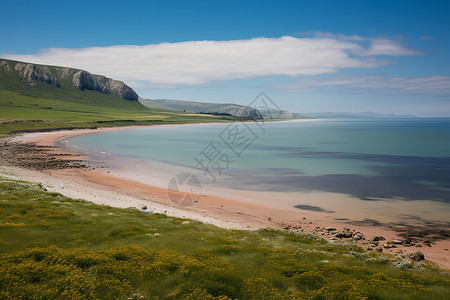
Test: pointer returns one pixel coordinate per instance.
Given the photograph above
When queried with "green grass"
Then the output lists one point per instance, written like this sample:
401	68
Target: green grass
52	246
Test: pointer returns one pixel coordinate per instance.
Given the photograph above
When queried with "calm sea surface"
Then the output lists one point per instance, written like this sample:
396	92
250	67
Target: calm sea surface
406	159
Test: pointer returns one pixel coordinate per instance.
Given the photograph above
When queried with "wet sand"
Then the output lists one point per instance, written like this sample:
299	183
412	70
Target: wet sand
100	187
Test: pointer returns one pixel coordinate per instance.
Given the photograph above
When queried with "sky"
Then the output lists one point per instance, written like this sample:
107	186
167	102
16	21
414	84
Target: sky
307	56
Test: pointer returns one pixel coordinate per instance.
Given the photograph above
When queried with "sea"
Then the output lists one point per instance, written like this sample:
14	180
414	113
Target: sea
393	170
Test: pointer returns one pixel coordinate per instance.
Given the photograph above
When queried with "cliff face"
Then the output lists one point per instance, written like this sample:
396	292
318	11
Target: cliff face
245	111
34	74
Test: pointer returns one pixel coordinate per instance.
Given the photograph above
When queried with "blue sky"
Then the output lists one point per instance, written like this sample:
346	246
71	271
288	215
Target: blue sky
308	56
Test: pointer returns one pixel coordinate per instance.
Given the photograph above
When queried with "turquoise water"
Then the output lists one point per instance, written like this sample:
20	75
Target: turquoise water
368	159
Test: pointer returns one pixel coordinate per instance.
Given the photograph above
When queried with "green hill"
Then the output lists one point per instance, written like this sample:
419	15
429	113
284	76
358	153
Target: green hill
204	107
219	108
44	97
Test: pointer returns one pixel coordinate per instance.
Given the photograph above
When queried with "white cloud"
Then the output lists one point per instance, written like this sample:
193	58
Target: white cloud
425	85
197	62
387	47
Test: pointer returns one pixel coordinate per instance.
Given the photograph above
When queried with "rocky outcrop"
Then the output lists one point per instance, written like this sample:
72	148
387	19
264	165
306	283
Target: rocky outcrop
86	81
33	74
6	66
123	90
249	112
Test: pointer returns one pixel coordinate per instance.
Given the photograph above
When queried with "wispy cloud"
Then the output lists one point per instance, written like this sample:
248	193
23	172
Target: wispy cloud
380	84
197	62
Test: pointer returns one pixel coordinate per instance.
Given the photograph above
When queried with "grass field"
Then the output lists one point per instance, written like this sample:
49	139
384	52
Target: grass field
54	247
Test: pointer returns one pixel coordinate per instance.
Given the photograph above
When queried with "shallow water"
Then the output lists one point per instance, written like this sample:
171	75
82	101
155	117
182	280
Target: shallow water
369	160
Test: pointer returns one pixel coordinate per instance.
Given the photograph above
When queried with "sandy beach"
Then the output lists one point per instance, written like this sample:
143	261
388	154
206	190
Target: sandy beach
101	187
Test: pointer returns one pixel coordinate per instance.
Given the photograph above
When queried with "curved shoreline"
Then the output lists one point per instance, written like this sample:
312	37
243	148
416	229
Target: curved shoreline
103	188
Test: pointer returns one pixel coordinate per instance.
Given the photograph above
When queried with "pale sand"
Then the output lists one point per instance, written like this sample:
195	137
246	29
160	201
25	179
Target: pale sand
102	188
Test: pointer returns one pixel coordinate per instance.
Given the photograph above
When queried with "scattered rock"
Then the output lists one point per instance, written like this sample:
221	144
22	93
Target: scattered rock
344	234
378	238
31	156
358	236
417	256
396	242
401	264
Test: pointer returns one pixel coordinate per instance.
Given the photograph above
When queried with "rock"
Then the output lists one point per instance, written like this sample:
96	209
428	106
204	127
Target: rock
418	256
123	90
375	238
401	264
34	74
5	65
348	234
330	229
358	236
396	242
86	81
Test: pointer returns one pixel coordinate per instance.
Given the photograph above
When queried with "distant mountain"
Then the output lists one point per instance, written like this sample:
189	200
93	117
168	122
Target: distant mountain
217	108
203	107
351	115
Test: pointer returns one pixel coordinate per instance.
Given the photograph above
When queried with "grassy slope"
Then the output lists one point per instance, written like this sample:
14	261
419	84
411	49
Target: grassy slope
196	106
91	251
25	107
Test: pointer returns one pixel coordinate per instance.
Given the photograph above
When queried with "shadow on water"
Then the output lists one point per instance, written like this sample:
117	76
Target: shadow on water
406	177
